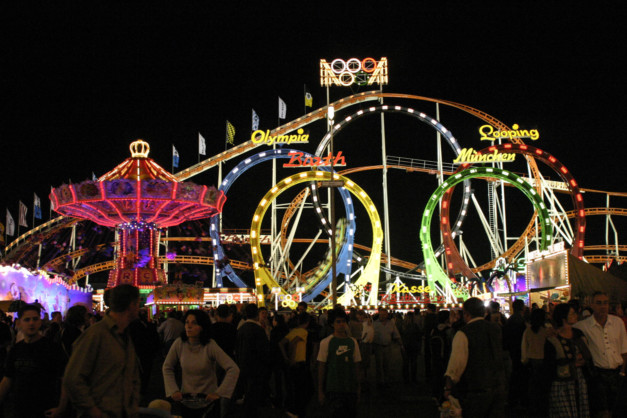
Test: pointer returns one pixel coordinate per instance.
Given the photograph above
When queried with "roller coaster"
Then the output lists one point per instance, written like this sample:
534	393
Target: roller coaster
447	268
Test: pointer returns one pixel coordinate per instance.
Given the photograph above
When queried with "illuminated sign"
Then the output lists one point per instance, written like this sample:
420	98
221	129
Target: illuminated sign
300	160
354	71
488	133
469	155
259	137
287	301
403	288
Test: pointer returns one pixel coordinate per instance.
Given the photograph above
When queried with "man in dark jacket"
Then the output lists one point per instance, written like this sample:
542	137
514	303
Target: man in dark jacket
253	355
512	342
475	369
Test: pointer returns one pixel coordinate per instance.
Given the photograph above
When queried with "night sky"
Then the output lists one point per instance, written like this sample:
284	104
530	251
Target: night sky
78	85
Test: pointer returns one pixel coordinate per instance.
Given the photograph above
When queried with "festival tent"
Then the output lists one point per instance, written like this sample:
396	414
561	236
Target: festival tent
585	279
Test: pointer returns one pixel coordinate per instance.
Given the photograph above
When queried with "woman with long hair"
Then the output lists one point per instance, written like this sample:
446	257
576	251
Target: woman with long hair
532	355
198	355
567	356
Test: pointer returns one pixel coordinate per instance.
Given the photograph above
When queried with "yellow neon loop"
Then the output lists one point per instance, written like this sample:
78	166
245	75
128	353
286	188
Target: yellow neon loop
370	274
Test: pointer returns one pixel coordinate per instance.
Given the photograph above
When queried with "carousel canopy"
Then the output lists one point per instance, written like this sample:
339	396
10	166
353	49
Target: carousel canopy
137	193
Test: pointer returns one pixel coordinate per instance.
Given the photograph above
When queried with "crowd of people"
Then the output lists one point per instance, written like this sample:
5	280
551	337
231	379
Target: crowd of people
561	360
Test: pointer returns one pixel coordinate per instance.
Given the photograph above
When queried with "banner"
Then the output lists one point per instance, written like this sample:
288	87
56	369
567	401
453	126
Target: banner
230	133
255	120
23	211
175	157
37	207
202	145
282	109
10	224
308	98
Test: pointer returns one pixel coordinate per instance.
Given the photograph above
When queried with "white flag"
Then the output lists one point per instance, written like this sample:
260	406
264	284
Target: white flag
37	207
255	120
10	224
23	211
202	145
282	109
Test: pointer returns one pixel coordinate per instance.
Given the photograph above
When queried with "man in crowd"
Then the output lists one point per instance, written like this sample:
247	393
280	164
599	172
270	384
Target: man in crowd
54	327
385	332
102	376
253	358
512	342
170	330
294	350
607	341
32	377
146	343
223	331
429	323
475	369
338	368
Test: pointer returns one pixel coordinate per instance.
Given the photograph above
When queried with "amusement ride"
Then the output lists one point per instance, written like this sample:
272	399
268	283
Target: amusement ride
144	204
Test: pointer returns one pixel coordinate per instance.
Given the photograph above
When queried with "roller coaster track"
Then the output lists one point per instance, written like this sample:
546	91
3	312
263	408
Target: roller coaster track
183	259
288	127
602	259
600	211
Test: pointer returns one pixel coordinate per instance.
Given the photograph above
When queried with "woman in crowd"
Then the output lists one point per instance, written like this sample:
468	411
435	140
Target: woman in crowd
198	355
532	355
566	356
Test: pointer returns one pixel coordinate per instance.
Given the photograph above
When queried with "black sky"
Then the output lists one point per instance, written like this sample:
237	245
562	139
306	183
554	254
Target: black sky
78	85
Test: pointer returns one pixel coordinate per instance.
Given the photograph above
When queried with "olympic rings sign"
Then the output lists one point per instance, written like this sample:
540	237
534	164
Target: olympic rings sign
353	65
346	72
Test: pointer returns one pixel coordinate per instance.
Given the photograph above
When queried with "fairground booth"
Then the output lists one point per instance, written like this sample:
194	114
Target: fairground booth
558	276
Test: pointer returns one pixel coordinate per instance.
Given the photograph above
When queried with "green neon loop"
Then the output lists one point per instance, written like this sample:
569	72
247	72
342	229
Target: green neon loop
434	271
370	274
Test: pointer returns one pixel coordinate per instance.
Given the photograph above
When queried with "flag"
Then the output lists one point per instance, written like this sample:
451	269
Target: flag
175	157
10	224
230	133
282	109
93	177
308	98
255	120
23	211
202	145
37	207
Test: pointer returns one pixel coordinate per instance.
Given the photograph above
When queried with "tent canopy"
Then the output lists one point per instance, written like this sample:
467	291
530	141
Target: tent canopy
585	279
